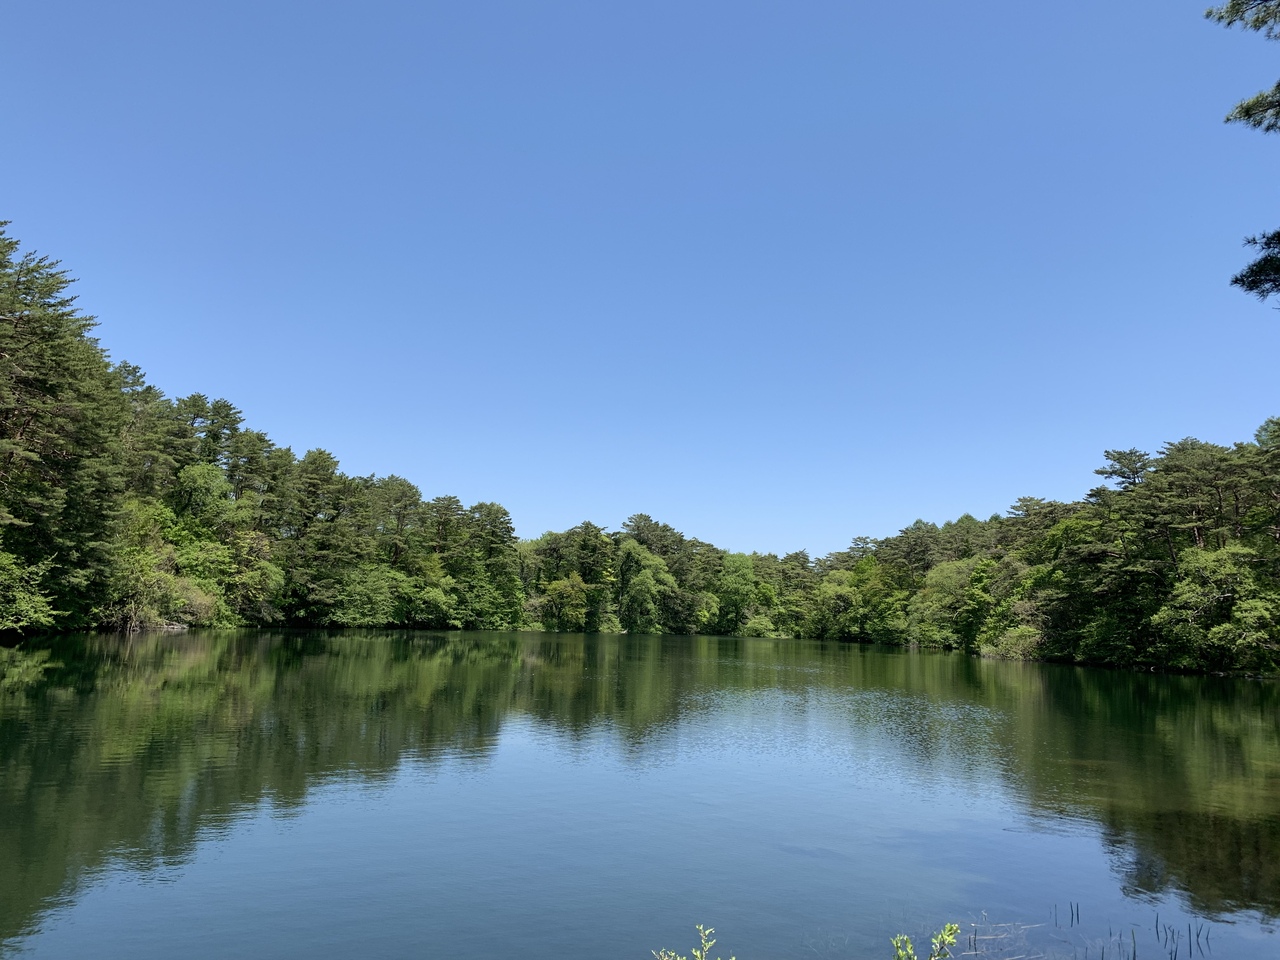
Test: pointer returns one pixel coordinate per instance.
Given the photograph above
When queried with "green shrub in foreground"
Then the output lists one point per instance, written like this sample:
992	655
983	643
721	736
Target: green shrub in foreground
903	949
701	952
941	944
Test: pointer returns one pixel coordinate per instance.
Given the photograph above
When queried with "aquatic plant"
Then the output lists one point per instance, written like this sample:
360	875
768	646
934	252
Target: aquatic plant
903	948
940	948
701	952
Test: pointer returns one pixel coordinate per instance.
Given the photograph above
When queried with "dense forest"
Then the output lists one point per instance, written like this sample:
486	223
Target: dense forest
121	508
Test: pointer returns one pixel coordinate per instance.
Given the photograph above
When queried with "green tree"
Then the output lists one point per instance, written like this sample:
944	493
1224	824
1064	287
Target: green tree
62	412
949	608
587	552
784	595
22	604
861	603
735	593
645	588
1219	615
493	543
154	442
161	573
1262	112
563	605
326	535
915	548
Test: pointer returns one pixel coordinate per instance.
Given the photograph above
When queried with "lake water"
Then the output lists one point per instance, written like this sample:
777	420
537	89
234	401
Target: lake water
548	796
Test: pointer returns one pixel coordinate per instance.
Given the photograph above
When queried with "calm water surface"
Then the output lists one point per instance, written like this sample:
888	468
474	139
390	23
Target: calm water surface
549	796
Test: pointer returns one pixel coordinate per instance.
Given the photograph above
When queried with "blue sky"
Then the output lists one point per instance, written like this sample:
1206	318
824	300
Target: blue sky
778	274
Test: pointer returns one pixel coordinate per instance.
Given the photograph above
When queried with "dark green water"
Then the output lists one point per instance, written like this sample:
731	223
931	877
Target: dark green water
498	795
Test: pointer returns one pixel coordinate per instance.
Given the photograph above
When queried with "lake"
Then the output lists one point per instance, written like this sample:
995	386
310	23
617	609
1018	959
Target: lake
282	795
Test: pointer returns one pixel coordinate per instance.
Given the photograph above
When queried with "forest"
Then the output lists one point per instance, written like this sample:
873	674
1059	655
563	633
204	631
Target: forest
122	509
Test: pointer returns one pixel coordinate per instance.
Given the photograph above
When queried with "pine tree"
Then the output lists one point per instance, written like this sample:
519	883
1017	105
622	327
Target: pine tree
62	411
1262	112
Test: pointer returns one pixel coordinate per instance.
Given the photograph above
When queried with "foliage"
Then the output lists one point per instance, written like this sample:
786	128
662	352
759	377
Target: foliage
700	952
123	508
61	412
862	603
22	604
903	949
940	946
1261	112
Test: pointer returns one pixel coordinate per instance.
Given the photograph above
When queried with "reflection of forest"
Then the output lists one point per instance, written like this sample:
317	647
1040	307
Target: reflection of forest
128	746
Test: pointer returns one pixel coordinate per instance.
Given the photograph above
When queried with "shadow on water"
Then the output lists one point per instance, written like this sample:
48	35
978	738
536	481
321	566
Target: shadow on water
122	750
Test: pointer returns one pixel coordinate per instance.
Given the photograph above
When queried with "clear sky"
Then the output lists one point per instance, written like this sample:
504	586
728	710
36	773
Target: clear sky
776	273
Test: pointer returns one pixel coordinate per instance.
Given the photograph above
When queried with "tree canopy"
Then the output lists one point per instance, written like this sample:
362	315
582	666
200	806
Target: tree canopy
121	508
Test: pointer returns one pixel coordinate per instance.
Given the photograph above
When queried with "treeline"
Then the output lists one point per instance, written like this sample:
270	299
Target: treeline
122	508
